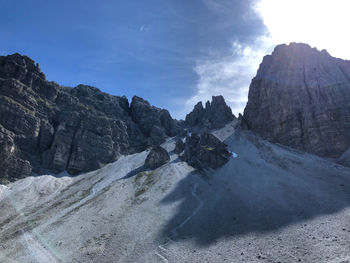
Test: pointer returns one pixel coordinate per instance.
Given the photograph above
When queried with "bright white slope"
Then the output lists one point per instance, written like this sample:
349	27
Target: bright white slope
269	204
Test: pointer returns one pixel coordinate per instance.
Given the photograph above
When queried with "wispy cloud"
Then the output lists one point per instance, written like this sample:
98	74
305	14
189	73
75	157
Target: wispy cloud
229	75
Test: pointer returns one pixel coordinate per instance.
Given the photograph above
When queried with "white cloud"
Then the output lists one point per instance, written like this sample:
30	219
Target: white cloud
320	23
229	75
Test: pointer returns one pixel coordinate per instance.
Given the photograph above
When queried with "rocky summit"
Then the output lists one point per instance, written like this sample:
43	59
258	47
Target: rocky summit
45	127
300	98
215	114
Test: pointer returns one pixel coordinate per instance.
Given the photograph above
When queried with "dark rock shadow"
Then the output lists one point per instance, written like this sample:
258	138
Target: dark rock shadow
255	194
135	172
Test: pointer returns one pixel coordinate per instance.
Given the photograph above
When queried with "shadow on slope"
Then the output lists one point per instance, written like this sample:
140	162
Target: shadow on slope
267	187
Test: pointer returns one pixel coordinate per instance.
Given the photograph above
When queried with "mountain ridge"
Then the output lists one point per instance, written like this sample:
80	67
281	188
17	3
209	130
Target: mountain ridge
300	98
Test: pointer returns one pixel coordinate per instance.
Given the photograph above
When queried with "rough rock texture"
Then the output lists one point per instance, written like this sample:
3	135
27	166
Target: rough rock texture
155	123
205	151
300	97
215	114
45	127
344	159
179	146
156	157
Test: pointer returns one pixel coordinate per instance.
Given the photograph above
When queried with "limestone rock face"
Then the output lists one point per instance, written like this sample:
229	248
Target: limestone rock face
157	157
45	127
154	123
215	114
205	151
300	97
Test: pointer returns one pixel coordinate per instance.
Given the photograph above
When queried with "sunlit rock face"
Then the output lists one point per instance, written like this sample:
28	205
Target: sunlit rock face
300	97
45	127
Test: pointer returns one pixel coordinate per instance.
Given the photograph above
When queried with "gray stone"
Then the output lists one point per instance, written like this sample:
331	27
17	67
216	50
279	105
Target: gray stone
157	157
215	114
205	151
179	146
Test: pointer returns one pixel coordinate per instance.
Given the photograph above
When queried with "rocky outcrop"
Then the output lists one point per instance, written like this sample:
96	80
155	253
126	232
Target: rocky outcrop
215	114
45	127
179	146
300	97
156	124
344	159
156	157
205	151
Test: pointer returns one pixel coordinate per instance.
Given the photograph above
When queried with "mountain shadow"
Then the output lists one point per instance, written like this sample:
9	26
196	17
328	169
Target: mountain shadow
265	188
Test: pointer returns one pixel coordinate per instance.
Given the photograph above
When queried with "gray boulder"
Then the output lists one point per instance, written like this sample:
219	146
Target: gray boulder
205	151
156	157
179	146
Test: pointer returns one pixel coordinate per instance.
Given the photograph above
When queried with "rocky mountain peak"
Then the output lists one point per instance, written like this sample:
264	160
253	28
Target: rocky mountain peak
215	114
48	128
300	98
20	67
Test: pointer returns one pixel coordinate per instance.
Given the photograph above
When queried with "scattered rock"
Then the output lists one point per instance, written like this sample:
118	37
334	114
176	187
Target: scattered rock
157	157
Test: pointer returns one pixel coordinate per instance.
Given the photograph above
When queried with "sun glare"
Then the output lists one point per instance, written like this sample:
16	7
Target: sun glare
321	23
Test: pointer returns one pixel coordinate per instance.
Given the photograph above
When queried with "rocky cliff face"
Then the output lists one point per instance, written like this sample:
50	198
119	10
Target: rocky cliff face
215	114
300	97
46	127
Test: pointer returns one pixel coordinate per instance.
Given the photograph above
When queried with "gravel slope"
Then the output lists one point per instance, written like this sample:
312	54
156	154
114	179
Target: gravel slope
269	204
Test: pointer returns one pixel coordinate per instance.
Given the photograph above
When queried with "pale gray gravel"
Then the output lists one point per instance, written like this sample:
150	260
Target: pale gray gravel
270	204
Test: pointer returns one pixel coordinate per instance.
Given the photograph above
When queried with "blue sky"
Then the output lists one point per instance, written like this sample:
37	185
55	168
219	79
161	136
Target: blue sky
171	52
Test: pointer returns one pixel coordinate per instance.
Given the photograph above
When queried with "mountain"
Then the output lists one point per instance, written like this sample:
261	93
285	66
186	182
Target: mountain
300	97
153	189
216	114
45	127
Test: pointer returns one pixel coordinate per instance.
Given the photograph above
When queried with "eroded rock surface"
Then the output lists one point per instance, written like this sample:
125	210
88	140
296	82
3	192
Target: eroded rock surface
215	114
45	127
156	157
179	146
205	151
300	97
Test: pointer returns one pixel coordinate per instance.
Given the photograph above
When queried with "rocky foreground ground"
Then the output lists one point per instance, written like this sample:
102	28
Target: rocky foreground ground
268	204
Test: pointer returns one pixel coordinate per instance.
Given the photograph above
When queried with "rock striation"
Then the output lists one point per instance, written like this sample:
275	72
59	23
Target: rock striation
157	157
215	114
45	127
300	97
205	151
